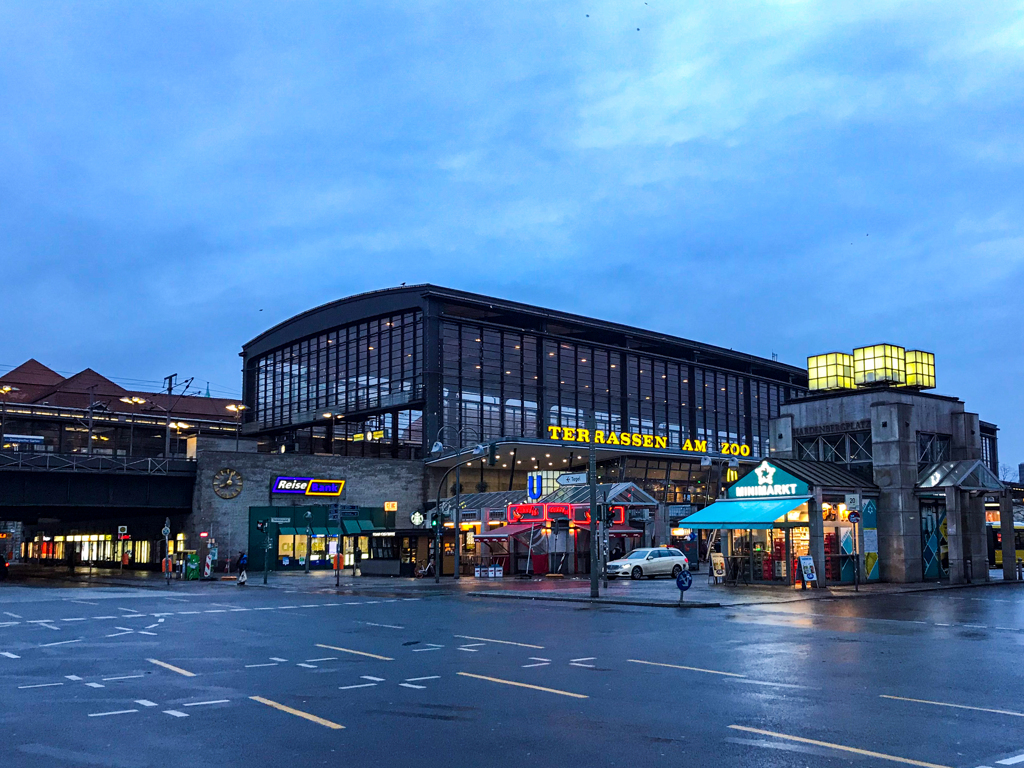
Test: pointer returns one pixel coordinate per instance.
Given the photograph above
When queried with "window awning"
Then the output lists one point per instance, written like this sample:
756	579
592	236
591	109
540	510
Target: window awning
506	531
367	525
351	527
323	532
285	531
746	513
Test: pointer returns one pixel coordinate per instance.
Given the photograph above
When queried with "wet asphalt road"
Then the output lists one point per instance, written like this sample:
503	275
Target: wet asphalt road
219	675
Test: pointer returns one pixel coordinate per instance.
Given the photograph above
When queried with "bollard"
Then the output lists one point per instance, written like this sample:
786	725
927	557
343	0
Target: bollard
1020	570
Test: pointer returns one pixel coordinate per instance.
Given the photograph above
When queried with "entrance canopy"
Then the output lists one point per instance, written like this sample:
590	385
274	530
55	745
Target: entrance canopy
506	531
967	475
742	514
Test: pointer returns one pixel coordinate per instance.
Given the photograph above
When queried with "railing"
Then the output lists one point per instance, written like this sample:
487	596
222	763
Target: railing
79	462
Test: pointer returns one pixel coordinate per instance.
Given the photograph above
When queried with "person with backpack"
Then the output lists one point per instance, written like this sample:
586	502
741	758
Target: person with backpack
243	561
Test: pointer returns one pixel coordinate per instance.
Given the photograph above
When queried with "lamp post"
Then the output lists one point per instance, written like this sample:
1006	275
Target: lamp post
5	390
237	409
439	447
134	402
309	543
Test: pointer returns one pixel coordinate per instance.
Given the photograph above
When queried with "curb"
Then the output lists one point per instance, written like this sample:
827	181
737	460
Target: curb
594	600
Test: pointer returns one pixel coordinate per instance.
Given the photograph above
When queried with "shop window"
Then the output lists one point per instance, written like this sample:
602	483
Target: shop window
285	546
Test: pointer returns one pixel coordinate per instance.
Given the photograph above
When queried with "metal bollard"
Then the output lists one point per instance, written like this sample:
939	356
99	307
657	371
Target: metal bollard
1020	570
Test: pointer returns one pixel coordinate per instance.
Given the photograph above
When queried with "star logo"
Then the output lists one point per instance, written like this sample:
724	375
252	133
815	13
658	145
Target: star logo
765	473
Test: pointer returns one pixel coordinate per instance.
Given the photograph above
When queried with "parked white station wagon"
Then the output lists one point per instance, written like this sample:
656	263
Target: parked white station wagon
660	561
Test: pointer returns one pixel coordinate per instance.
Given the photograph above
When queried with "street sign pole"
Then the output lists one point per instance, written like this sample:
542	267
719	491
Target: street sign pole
167	554
595	544
266	551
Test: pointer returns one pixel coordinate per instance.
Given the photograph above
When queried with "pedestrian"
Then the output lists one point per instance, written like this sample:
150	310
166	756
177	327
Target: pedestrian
243	577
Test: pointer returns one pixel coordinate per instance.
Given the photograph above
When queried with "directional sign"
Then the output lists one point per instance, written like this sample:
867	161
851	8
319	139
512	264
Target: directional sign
123	529
281	520
165	532
578	478
684	581
855	517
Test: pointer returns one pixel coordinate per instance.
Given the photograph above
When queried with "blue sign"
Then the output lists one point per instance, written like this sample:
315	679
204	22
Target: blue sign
535	486
684	581
854	518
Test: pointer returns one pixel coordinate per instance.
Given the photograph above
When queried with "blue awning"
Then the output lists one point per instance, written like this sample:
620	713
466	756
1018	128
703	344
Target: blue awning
740	514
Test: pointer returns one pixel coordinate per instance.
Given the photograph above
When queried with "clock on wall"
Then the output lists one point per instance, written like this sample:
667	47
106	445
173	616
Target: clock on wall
227	483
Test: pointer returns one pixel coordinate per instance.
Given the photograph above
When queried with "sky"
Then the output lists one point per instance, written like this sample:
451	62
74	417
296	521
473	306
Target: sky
773	177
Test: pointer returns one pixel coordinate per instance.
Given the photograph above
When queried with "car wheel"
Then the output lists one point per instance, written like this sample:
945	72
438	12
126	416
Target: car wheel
637	573
676	570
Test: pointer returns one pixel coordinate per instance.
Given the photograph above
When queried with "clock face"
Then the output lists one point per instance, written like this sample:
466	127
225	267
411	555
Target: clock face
417	518
227	483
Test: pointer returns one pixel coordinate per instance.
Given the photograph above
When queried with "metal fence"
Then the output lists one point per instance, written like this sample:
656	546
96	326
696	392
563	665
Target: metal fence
76	462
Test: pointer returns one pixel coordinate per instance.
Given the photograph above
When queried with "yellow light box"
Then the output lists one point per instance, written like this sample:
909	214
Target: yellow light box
833	370
920	369
879	364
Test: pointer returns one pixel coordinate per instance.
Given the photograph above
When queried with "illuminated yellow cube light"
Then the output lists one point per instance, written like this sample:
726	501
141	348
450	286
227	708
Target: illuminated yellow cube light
879	364
920	369
833	370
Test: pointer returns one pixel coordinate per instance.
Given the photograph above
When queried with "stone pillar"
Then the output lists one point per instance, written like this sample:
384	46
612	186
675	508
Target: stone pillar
975	535
780	437
954	536
1008	545
817	534
894	454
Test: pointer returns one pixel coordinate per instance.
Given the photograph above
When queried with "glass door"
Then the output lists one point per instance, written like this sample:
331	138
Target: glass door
934	543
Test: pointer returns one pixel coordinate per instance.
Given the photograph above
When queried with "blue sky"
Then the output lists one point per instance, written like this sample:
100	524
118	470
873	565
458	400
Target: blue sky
788	177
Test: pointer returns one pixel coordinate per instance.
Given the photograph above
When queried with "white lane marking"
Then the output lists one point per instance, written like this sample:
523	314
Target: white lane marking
12	615
538	658
126	610
73	677
9	655
40	621
106	617
769	684
371	602
274	658
361	685
370	677
83	602
286	607
9	623
389	626
309	606
257	609
115	712
410	685
120	634
410	599
204	703
976	626
188	613
330	605
177	599
271	664
150	626
124	629
1011	760
353	603
942	625
62	642
538	664
40	685
174	713
122	677
468	650
432	647
328	658
145	702
81	618
96	685
215	610
236	610
144	632
157	615
417	679
307	666
577	664
585	658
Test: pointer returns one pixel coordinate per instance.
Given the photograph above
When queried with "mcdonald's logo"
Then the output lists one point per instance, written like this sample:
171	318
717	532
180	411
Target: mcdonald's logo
731	475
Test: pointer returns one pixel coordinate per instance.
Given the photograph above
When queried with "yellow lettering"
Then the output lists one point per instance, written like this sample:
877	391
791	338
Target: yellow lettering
553	432
599	436
744	450
700	445
582	435
568	433
648	441
687	446
660	442
613	439
637	440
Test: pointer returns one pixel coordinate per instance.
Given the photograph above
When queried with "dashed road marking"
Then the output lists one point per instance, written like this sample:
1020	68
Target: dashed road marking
171	667
204	703
389	626
144	632
579	662
80	618
76	678
307	666
251	666
417	679
275	658
1011	760
121	677
9	655
115	712
371	677
502	642
955	706
298	713
62	642
145	703
360	685
431	647
39	685
357	653
326	658
840	747
12	615
689	669
96	685
524	685
174	713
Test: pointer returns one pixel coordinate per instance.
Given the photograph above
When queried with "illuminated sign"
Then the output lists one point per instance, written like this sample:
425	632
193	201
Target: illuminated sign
390	506
637	440
767	480
308	486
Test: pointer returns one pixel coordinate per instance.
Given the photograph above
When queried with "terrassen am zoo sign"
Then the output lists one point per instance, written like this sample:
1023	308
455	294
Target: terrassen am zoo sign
767	480
307	486
637	440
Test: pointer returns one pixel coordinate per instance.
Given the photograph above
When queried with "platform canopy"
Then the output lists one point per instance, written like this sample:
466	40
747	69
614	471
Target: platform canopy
743	513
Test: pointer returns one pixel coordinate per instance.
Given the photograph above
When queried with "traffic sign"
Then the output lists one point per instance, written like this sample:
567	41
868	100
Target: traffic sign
684	581
577	478
123	529
855	517
165	532
281	520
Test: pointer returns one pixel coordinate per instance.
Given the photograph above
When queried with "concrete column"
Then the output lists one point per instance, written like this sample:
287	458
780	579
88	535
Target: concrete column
954	536
1008	545
817	534
780	437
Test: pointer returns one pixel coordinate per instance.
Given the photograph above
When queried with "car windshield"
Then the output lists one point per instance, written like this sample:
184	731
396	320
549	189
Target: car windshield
636	554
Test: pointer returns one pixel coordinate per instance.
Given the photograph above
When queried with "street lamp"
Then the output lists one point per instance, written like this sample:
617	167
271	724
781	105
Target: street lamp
5	390
134	402
178	426
237	409
438	448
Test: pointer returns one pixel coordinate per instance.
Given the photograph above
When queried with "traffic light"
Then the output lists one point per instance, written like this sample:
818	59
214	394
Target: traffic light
261	525
492	454
434	519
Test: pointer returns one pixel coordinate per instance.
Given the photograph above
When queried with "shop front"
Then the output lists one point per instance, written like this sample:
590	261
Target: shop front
785	510
296	534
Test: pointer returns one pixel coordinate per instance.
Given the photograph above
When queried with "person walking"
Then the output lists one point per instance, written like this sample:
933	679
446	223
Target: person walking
243	561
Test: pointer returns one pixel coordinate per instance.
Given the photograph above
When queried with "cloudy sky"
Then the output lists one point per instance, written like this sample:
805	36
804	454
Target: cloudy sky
788	177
